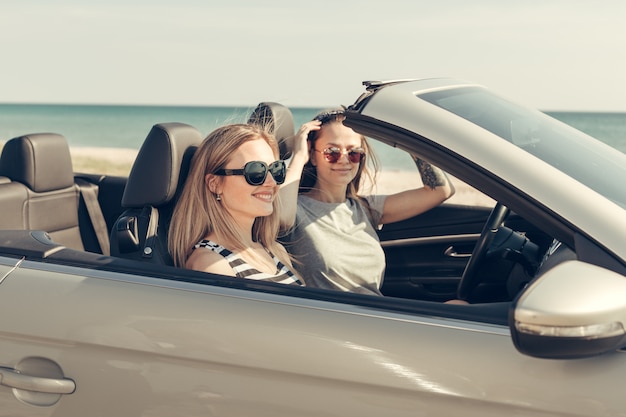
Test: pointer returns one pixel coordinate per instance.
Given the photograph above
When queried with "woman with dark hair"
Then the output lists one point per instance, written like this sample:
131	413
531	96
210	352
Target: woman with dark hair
330	227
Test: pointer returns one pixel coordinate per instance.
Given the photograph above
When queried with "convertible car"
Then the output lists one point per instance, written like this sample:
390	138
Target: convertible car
95	320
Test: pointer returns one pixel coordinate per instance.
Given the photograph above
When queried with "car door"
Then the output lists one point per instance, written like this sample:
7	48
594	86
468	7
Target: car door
426	254
145	346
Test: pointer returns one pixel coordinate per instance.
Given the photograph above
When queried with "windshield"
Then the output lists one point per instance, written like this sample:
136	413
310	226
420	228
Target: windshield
580	156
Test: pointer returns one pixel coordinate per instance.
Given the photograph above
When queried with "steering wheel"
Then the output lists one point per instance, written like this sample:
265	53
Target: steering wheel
470	280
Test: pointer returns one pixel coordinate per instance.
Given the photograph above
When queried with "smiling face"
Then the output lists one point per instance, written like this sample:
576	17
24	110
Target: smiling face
243	201
339	174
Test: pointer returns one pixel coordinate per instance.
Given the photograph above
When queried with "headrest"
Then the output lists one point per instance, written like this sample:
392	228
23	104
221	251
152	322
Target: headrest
41	161
279	121
162	165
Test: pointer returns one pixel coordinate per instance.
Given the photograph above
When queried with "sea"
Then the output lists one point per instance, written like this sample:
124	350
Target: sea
126	126
118	126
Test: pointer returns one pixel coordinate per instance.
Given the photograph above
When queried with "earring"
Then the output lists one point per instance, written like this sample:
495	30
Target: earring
218	197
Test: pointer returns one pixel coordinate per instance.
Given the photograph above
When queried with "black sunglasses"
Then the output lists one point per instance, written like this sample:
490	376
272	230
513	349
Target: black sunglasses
333	154
255	172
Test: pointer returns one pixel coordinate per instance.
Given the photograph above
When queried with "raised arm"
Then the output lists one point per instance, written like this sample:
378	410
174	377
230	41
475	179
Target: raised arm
288	193
406	204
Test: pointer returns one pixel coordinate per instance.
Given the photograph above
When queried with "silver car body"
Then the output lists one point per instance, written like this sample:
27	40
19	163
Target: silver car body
573	201
78	341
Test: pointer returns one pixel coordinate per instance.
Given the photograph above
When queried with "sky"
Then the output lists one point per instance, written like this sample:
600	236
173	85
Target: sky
552	55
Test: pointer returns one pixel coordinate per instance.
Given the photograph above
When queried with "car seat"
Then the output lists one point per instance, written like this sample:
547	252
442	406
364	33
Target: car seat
42	163
278	119
154	183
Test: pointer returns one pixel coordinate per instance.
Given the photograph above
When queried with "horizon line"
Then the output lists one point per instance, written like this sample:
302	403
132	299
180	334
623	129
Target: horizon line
112	104
92	104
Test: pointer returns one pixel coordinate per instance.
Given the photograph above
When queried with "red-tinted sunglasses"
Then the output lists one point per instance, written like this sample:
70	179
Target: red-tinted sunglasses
333	154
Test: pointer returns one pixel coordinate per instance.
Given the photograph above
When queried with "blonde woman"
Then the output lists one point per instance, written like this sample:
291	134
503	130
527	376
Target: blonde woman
226	221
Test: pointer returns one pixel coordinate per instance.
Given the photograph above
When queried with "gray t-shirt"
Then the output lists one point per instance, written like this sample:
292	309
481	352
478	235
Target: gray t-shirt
335	246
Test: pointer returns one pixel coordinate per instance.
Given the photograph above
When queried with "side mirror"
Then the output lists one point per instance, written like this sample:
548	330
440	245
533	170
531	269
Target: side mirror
574	310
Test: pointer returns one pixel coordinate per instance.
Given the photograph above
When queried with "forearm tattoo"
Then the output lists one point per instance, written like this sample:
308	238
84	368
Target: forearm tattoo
432	177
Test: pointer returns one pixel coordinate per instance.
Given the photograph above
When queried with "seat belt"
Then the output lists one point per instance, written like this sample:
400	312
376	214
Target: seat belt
151	233
89	192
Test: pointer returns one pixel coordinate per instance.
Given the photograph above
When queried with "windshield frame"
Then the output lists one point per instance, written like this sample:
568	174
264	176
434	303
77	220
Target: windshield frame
576	154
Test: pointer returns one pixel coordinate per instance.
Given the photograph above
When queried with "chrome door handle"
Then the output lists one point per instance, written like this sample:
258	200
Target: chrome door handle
451	252
13	379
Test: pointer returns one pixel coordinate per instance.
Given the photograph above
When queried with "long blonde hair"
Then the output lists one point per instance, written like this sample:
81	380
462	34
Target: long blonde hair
198	213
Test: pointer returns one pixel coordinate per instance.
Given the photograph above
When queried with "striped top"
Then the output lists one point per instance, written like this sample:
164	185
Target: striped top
244	270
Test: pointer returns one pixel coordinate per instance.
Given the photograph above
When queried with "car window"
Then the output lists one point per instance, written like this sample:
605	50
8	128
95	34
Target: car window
587	160
398	172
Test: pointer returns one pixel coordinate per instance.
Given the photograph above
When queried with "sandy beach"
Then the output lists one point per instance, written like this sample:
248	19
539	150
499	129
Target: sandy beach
118	161
109	161
390	182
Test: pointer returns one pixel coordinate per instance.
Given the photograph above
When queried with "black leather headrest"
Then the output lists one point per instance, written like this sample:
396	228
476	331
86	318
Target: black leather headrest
41	161
279	121
162	165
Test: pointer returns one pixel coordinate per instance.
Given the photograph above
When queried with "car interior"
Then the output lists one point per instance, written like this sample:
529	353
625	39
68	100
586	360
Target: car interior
53	215
155	181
